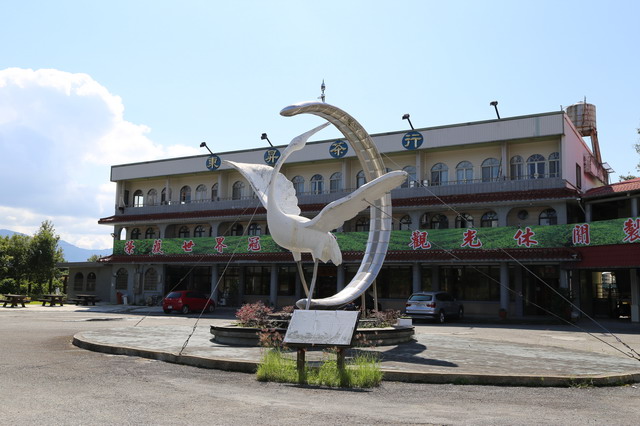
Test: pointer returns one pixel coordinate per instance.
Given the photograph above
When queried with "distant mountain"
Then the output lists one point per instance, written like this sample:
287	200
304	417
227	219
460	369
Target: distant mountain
71	252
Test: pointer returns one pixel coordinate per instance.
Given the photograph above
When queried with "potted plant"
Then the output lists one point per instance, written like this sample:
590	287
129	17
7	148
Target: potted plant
404	321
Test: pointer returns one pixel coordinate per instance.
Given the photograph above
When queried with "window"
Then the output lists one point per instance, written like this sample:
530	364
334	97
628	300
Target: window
237	191
199	231
489	220
405	223
362	224
317	184
548	217
138	199
122	278
150	233
464	172
152	197
257	280
298	184
214	192
91	281
165	196
490	170
185	194
535	166
237	230
578	176
517	167
439	221
78	281
464	220
135	234
254	229
360	179
411	177
424	221
183	232
150	280
201	193
335	182
554	164
439	174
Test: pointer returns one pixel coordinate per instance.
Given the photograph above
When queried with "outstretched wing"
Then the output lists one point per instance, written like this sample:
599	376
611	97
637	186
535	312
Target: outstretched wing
337	212
259	176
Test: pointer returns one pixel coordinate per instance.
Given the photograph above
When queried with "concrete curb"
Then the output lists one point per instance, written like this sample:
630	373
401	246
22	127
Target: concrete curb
409	376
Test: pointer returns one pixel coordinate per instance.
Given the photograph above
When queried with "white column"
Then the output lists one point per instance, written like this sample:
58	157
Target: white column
635	295
417	277
519	311
634	207
504	286
214	282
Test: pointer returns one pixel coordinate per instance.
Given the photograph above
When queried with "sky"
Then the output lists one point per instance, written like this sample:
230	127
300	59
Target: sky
85	85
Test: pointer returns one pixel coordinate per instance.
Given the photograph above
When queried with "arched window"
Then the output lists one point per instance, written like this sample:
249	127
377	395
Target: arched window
138	199
411	177
464	220
439	174
78	281
150	233
150	280
201	193
362	224
122	279
335	182
424	221
214	192
152	197
135	234
517	167
439	221
317	184
548	217
254	229
360	179
298	184
490	170
489	220
183	232
91	281
165	196
237	191
185	194
405	223
535	166
237	230
554	164
464	172
199	231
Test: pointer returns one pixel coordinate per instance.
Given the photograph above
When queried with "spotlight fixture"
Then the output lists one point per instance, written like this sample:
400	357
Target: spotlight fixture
204	145
264	136
406	117
495	105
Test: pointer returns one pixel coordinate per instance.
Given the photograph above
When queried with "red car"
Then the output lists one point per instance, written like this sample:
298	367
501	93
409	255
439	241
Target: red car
186	301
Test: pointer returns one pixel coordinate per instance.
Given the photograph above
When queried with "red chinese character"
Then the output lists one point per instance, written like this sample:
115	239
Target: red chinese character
631	229
157	247
129	246
220	245
525	238
469	239
419	240
254	244
581	234
187	246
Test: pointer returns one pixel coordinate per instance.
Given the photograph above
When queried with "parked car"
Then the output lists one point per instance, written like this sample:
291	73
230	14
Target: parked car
186	301
437	305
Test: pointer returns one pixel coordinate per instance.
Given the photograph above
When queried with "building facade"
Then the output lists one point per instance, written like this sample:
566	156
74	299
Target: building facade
502	213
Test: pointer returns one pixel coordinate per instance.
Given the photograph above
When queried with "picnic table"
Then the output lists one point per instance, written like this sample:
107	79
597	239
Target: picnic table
85	299
52	299
14	299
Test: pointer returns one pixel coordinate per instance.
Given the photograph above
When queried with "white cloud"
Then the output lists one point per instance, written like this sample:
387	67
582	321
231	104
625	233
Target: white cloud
59	134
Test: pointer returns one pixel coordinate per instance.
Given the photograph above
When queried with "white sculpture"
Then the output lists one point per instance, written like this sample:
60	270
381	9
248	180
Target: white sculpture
303	235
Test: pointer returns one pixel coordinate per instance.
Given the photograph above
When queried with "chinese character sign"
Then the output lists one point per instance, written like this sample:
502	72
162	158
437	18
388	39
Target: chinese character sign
254	244
213	162
338	149
271	156
157	247
129	247
525	238
581	234
220	245
470	239
187	246
412	140
420	240
631	229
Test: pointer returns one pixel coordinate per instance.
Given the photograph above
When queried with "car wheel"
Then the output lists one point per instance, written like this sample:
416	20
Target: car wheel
185	309
167	311
460	313
211	308
441	317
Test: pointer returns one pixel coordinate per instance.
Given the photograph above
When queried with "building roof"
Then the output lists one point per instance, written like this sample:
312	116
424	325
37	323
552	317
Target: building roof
632	185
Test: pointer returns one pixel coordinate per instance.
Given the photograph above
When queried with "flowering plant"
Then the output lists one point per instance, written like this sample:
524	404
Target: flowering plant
254	315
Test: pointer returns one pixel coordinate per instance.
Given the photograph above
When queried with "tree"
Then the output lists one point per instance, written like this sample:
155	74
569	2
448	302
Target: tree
630	176
44	254
94	258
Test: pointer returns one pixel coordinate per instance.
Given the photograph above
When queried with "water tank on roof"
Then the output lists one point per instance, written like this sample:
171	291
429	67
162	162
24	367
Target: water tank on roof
583	116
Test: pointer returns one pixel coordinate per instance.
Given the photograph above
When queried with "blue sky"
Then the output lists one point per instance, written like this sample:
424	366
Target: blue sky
88	84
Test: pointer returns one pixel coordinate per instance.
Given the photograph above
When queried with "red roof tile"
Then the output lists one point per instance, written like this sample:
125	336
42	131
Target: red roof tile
615	188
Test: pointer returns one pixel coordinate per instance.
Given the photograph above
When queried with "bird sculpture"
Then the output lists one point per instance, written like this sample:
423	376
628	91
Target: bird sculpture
300	234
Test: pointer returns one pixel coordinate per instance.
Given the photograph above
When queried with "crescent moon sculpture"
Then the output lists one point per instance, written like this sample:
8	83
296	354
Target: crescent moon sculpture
303	235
